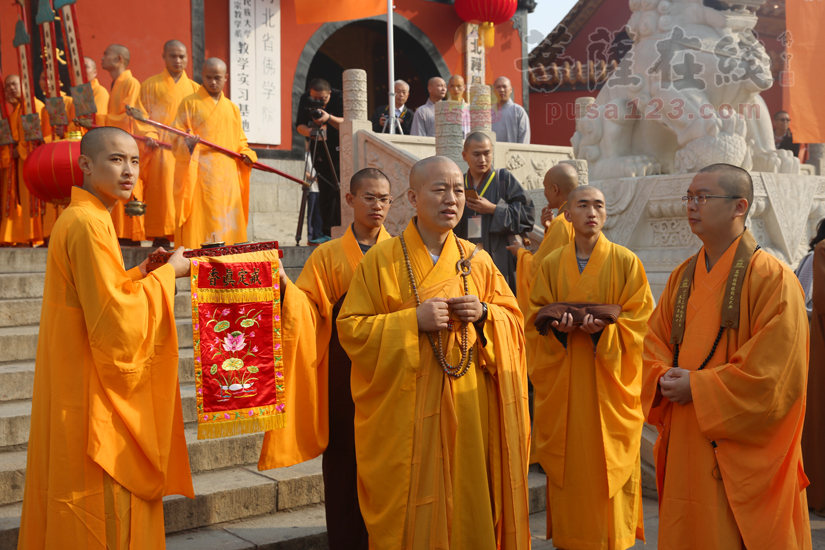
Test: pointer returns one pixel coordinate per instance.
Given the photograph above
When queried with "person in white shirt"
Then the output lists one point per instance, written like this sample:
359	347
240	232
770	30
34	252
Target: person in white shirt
510	121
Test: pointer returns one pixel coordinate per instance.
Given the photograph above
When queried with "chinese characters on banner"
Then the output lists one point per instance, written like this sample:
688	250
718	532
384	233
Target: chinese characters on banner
475	56
254	67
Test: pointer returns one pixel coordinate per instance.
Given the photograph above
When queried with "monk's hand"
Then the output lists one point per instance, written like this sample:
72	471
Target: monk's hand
191	141
566	324
467	308
84	122
151	143
675	385
180	263
515	247
546	216
433	314
591	325
246	160
481	205
282	277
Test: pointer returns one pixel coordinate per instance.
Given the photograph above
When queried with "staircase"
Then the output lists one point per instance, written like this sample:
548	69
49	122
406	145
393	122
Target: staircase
236	507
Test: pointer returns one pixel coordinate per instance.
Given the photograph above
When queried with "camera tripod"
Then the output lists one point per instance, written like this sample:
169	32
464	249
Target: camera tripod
316	134
386	128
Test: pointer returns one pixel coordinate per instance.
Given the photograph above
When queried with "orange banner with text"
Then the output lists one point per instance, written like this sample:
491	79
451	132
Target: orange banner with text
802	74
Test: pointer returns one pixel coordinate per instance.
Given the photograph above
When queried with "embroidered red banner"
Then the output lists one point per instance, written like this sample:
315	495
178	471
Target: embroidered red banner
236	322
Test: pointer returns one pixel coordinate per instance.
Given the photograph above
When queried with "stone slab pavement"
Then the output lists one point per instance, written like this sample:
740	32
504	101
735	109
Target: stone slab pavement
538	526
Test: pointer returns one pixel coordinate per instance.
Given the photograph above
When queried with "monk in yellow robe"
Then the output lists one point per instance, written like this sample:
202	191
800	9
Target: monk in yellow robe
725	375
101	94
125	91
160	97
587	381
322	369
107	440
23	225
439	383
211	188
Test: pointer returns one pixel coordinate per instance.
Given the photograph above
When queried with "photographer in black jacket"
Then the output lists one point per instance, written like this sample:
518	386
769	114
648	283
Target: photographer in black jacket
322	107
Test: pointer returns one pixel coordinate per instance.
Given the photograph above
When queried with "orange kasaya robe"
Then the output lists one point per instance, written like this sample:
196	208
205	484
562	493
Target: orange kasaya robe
558	234
588	423
101	102
106	441
750	400
53	211
160	97
442	461
125	91
309	302
813	437
211	188
23	224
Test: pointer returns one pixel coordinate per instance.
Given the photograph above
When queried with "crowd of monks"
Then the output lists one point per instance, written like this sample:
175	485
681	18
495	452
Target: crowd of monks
408	359
193	194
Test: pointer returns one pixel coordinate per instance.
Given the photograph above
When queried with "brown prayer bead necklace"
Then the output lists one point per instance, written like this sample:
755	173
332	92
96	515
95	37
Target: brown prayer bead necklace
464	267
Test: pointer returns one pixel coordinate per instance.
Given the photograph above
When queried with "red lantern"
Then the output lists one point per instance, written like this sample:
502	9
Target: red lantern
488	12
51	171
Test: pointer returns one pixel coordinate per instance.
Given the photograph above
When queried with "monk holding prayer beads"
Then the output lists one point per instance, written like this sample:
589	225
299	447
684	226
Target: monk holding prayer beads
321	368
107	440
725	374
439	383
587	384
211	188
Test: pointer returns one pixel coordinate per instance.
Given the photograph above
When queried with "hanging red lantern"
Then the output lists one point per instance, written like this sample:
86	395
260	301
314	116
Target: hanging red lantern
51	171
489	13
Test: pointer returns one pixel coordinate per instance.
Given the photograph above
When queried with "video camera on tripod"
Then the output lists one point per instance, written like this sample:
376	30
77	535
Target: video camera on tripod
315	108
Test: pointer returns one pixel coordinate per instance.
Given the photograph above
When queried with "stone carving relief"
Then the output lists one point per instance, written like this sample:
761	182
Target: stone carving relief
355	94
680	99
449	133
673	233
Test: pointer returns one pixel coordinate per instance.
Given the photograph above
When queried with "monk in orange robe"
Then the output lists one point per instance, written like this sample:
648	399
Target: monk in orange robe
724	382
107	440
125	91
587	383
322	369
558	182
101	94
211	188
23	225
439	383
160	97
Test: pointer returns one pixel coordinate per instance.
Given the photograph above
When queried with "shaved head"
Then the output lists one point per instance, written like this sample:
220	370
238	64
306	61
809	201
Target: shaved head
97	140
91	68
437	194
12	78
13	89
564	176
477	137
502	80
173	44
420	173
213	74
366	174
120	50
735	181
581	191
213	63
89	63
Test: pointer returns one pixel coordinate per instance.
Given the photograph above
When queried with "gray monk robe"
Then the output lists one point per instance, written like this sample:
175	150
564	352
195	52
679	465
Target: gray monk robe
514	215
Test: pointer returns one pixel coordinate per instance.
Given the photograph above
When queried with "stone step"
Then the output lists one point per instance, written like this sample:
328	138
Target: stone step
20	343
220	496
204	455
21	285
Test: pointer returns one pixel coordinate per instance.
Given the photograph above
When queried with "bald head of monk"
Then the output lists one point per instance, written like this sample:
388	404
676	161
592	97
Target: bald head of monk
720	196
478	154
175	58
437	89
504	89
437	194
115	59
110	161
586	212
456	87
91	68
13	89
370	199
558	182
213	73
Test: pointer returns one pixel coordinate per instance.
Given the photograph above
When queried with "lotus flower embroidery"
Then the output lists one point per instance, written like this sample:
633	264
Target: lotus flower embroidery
234	342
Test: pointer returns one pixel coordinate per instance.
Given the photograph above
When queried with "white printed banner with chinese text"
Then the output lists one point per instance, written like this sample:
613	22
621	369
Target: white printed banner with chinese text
254	67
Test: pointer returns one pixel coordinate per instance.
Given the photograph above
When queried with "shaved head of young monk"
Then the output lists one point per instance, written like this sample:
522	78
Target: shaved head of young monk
110	161
586	211
558	182
91	68
437	194
13	89
213	73
175	58
370	199
114	57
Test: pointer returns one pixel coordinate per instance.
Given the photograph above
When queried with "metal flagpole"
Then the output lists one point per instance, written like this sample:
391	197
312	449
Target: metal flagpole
391	68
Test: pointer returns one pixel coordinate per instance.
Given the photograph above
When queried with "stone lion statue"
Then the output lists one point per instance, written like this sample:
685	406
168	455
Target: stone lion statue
684	96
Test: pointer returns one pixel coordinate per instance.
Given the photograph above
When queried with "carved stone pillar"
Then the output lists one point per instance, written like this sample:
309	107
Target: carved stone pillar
816	156
449	135
355	120
481	105
355	94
